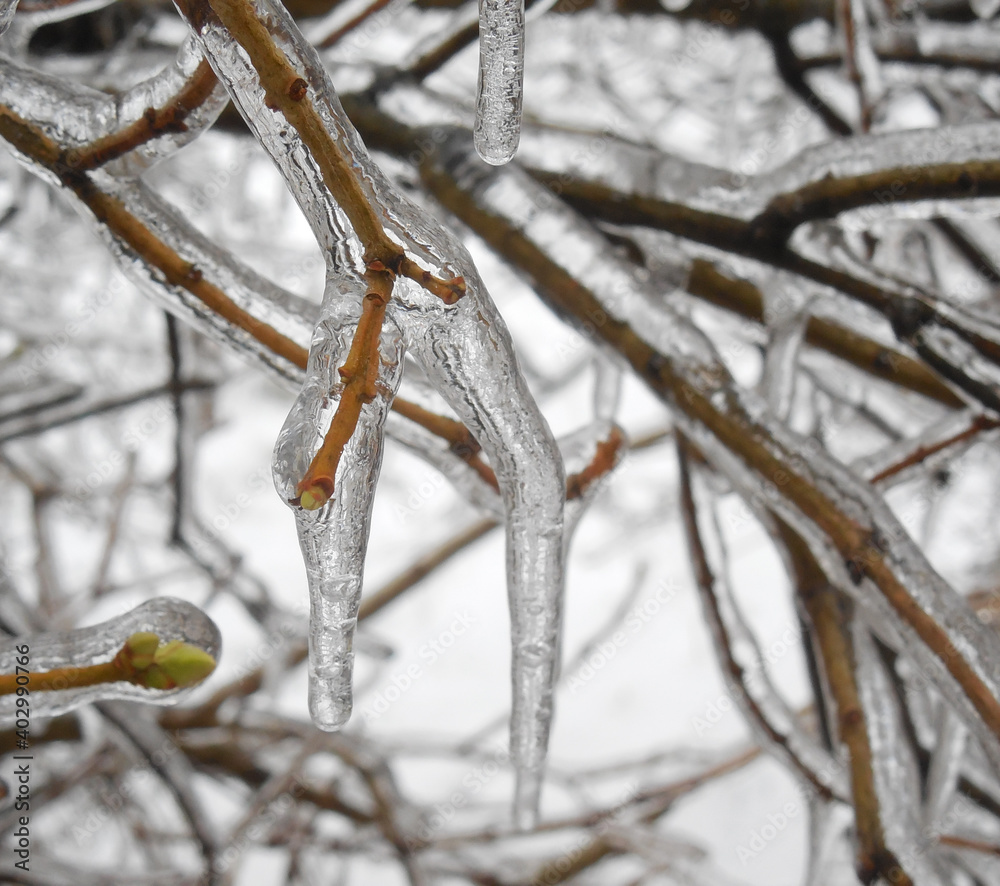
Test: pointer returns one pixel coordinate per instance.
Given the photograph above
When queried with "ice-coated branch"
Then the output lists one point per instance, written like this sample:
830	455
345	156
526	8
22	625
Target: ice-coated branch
283	92
155	653
830	619
742	663
855	536
7	10
154	245
125	133
756	217
886	171
894	777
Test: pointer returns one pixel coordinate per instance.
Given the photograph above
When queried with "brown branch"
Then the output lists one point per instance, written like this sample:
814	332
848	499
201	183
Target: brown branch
288	91
176	271
424	567
966	843
460	440
978	424
763	240
707	282
692	396
830	613
359	375
705	582
153	123
601	464
337	35
830	196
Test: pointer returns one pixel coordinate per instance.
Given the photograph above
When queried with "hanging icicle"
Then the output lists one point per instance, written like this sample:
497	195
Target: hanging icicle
501	77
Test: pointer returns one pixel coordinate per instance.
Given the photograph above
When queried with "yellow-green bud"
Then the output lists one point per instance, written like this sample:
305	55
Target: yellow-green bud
141	648
177	665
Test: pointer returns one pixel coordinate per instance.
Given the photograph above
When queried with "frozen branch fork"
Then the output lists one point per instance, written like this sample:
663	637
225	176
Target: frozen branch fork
396	284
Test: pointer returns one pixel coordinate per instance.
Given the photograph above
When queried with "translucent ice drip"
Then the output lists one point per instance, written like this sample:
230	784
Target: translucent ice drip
167	617
334	538
786	323
468	355
501	79
945	768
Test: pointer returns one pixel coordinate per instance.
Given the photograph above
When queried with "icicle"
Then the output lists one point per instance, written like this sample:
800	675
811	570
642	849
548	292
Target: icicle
786	319
468	355
897	782
985	9
830	852
946	764
166	617
501	79
607	388
334	538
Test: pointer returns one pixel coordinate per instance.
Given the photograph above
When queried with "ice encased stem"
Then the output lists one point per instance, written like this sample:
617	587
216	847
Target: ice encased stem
167	617
334	538
501	79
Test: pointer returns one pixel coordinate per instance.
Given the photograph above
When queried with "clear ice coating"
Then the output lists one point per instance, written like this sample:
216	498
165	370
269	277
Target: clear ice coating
902	594
501	80
467	357
167	617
